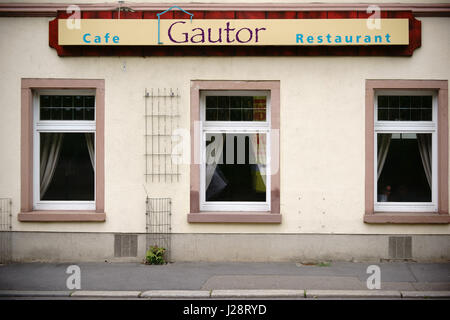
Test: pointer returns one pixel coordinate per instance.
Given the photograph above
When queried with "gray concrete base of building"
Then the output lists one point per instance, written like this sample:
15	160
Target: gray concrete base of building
84	247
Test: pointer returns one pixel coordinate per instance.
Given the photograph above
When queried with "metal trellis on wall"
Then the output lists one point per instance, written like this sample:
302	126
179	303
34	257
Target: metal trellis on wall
5	230
161	120
158	213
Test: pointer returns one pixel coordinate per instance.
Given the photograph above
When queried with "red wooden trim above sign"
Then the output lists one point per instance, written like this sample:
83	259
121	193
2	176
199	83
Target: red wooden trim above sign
392	50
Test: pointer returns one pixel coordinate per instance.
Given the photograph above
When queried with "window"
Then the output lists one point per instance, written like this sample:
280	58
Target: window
235	151
235	174
406	151
64	150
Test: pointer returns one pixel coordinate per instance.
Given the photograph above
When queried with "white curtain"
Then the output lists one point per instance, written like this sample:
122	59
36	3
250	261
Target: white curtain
50	150
424	142
90	145
384	141
213	154
259	146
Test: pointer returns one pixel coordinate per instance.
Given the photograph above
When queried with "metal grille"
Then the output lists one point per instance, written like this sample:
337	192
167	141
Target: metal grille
5	230
125	245
400	247
159	212
161	120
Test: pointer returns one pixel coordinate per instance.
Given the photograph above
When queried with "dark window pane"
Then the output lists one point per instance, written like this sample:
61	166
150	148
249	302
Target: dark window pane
211	114
236	114
393	114
45	107
211	102
78	101
89	101
247	114
67	113
223	102
56	114
89	113
45	113
405	102
67	107
405	108
382	101
235	102
426	115
247	102
415	114
68	161
237	108
383	114
427	102
404	167
235	167
56	101
394	101
223	115
68	101
405	114
416	102
45	102
78	114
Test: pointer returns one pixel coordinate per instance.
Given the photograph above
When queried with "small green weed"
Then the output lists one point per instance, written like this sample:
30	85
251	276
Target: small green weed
155	255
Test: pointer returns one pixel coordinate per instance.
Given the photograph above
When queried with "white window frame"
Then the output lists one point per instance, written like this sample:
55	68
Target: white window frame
63	126
233	127
408	127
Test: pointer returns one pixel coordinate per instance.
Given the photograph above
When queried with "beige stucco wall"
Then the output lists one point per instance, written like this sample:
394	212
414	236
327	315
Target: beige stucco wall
322	127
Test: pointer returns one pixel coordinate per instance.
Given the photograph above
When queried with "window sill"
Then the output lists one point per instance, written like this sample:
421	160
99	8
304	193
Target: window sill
407	218
61	216
235	217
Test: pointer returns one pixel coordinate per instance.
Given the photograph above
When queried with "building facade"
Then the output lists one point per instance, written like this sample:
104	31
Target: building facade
187	127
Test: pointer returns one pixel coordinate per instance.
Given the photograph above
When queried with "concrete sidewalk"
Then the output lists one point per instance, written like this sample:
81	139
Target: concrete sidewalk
228	280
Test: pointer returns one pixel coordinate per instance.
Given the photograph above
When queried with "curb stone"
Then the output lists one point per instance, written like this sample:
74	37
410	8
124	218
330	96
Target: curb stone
352	294
238	294
425	294
176	294
270	293
17	293
106	294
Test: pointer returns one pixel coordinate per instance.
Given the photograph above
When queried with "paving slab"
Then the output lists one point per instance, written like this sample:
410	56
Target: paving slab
103	276
431	286
33	276
282	282
408	286
430	272
391	272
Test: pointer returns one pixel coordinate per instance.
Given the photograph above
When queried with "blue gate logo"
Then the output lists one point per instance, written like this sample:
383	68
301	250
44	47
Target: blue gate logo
170	9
